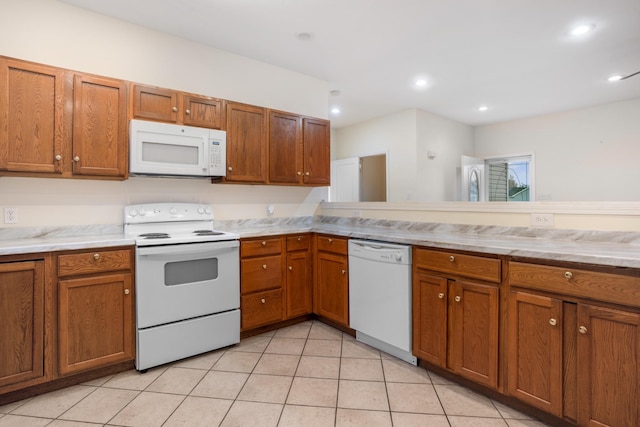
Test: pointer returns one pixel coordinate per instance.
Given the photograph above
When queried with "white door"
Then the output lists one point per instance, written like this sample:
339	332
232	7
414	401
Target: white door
345	180
472	180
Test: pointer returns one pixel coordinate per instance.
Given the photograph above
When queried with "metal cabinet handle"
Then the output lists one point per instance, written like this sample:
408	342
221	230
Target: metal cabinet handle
306	173
582	329
553	322
568	275
263	300
174	109
58	157
187	111
290	268
452	258
230	168
76	159
299	173
441	295
126	291
264	266
330	240
299	239
344	271
458	299
96	256
264	243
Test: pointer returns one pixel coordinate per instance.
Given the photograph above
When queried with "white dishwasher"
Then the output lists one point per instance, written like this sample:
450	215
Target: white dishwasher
380	296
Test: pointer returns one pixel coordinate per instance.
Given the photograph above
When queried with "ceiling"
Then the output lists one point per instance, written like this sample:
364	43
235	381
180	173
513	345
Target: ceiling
514	56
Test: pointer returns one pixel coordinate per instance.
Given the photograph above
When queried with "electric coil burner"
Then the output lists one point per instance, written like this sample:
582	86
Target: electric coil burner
187	282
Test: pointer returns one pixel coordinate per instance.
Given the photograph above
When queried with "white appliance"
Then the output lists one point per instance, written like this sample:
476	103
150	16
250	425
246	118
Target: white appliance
380	296
187	282
171	150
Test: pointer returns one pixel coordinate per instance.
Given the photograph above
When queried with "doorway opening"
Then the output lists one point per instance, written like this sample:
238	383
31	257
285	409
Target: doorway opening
359	179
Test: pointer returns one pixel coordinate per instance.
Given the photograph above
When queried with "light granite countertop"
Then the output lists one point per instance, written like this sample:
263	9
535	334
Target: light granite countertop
617	249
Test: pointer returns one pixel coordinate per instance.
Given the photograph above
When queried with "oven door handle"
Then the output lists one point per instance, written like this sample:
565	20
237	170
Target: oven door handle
189	249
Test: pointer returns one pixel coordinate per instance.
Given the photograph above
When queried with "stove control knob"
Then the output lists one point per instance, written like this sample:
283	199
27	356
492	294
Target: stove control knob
132	212
173	211
142	212
200	210
207	211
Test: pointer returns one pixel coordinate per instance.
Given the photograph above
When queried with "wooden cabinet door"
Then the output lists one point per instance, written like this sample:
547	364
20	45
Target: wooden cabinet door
316	152
285	148
608	367
153	103
21	322
202	111
95	322
32	115
246	143
430	317
534	350
100	127
299	284
331	297
473	328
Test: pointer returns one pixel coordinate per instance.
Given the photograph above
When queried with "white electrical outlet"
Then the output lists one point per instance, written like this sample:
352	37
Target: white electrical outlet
10	215
355	213
542	220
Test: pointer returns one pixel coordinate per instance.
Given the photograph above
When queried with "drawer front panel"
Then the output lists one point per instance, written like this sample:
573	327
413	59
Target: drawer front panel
260	247
332	244
261	273
605	287
298	243
261	308
476	267
94	262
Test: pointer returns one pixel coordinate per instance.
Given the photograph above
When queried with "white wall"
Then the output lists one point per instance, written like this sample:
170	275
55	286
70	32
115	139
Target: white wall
54	33
584	154
407	137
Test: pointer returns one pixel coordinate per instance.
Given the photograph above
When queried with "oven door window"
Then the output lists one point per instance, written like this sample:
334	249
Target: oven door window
190	271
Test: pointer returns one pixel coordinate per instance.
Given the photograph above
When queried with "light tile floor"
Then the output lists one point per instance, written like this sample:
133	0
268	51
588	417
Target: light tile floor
305	375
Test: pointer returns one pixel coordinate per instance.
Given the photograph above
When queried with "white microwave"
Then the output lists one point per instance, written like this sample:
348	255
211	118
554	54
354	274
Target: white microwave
164	149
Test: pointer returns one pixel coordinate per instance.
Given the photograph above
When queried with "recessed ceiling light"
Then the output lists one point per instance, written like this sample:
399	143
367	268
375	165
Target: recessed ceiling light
335	110
582	29
304	36
421	83
615	78
483	108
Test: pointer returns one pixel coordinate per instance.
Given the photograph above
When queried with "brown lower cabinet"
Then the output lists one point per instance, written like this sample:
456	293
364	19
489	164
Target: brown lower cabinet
331	287
455	320
22	323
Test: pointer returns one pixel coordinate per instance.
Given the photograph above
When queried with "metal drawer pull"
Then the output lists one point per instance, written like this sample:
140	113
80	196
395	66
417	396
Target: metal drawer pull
582	329
230	168
264	266
290	268
58	157
440	295
299	239
76	159
264	243
553	322
96	256
263	300
344	271
458	299
126	291
568	275
187	111
330	240
452	258
174	109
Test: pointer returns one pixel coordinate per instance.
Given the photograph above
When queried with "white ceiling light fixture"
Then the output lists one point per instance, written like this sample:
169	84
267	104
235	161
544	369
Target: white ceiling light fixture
615	78
582	29
335	110
483	108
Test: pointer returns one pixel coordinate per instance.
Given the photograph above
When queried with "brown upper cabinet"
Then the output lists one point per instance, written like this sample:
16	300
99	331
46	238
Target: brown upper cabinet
246	143
61	123
299	149
166	105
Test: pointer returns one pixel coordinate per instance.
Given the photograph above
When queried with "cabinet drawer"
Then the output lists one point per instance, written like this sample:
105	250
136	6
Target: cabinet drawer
94	262
332	244
298	243
261	273
261	308
605	287
476	267
260	247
